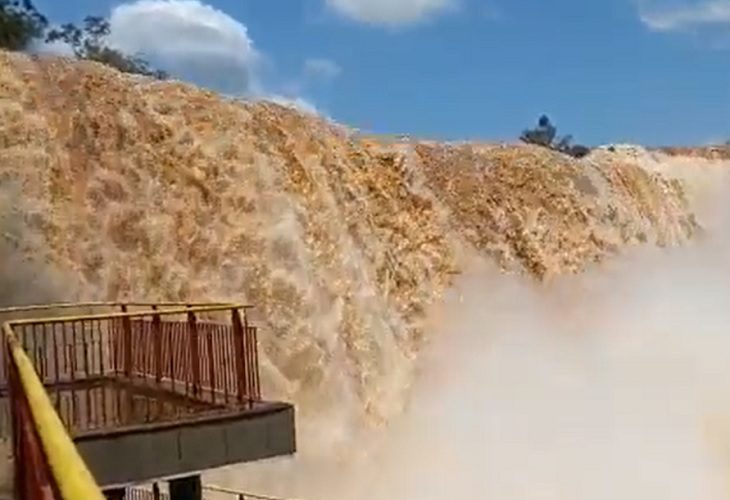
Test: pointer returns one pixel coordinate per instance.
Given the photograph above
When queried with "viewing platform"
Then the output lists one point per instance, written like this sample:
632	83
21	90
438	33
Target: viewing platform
144	391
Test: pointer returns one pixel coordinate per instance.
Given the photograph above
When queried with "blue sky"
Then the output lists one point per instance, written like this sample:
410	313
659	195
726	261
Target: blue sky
645	71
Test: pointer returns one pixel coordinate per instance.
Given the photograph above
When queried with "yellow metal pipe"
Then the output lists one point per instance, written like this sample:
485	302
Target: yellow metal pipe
73	478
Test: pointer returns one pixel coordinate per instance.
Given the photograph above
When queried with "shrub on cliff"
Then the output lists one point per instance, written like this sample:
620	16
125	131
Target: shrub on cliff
542	135
88	43
545	135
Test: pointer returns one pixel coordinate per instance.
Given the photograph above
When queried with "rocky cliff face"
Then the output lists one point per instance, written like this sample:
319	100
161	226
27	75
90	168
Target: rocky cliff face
116	187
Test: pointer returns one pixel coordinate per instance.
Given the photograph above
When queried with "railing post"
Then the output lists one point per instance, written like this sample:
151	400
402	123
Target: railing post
157	341
247	357
194	351
127	343
251	333
4	357
239	353
211	364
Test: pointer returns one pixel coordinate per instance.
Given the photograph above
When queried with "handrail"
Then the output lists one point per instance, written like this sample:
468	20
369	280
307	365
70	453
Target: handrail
73	478
132	314
71	305
241	494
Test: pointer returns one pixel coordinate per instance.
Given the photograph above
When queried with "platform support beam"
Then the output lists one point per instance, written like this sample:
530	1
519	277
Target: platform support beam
115	493
186	488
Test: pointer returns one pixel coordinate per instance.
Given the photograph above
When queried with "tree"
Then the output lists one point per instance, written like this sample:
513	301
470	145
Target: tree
545	135
88	43
20	24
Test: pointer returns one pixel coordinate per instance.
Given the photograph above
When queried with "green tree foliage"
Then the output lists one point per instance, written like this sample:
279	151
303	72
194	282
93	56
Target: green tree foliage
88	42
545	135
20	24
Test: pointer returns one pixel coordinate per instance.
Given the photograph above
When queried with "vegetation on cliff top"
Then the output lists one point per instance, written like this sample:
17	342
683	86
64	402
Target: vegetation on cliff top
22	26
545	135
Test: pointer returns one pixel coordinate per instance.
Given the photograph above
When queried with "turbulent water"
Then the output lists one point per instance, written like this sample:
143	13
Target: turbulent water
592	368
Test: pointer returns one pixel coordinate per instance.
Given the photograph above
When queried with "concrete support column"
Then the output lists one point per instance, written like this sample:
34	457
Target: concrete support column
186	488
115	494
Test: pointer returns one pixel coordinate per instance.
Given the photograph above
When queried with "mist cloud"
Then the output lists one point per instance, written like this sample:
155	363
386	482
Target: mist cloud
191	39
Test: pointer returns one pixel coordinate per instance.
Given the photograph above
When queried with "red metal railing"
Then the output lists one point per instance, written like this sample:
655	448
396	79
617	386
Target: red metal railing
36	341
210	361
134	493
147	366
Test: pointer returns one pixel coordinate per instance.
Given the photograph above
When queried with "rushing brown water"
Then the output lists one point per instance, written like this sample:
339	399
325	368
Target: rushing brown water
114	187
609	384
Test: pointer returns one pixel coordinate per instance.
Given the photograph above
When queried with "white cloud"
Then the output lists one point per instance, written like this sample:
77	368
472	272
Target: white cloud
676	15
323	69
196	42
391	12
314	71
189	39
